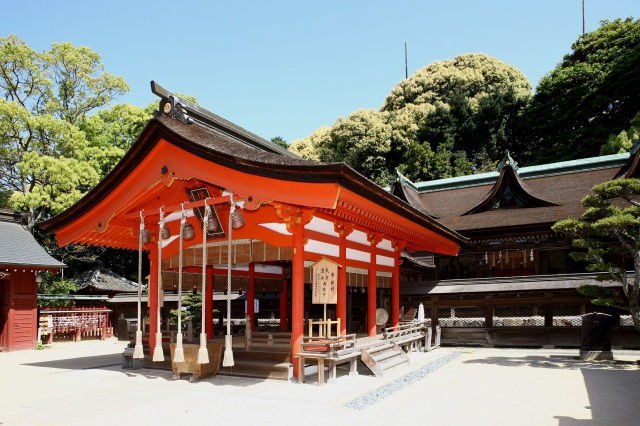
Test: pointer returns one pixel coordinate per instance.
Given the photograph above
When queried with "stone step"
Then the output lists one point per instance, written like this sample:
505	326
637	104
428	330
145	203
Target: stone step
258	369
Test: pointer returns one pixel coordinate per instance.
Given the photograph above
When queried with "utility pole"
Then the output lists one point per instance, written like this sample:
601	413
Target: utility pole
406	66
583	29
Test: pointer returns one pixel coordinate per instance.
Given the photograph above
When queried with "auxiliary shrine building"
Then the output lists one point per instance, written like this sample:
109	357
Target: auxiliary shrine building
513	282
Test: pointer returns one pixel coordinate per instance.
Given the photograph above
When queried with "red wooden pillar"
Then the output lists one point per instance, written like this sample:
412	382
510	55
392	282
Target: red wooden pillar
395	284
283	305
373	239
343	229
251	295
208	304
152	297
297	293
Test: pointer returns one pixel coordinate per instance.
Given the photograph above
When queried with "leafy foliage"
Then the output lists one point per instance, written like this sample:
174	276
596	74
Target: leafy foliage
192	304
448	119
51	151
593	93
608	230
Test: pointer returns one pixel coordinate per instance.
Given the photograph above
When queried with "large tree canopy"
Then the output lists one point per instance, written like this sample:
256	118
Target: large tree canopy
51	150
450	118
593	93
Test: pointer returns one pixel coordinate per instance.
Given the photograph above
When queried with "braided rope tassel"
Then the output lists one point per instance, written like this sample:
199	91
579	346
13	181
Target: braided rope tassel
178	354
227	361
203	354
158	354
138	351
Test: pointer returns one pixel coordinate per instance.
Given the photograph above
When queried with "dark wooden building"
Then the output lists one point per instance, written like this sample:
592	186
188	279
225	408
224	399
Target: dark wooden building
21	261
513	283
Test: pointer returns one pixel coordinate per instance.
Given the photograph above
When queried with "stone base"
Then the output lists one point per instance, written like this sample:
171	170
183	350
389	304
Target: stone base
587	355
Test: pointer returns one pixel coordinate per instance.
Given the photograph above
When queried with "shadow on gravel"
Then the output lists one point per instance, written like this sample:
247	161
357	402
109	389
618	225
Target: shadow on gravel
554	361
613	398
81	363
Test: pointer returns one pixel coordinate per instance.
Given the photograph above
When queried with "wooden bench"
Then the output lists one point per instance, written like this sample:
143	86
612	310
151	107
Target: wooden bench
410	336
330	350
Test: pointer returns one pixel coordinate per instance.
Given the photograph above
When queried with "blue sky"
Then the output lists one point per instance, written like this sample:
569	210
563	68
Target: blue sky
285	68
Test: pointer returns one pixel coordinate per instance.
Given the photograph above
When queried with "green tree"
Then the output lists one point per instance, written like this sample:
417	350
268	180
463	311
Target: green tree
607	231
622	142
473	103
593	93
450	118
46	160
279	141
363	141
310	147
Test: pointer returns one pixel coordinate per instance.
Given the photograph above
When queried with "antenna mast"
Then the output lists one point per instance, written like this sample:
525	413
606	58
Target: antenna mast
583	30
406	66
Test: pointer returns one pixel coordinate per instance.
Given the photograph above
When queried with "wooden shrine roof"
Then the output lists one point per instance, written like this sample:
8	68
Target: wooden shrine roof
178	149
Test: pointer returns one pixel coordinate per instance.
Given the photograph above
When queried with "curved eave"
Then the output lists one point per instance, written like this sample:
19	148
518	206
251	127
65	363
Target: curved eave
302	172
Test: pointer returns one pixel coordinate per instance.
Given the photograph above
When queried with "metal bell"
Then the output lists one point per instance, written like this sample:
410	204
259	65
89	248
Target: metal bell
165	233
238	220
212	224
188	233
145	236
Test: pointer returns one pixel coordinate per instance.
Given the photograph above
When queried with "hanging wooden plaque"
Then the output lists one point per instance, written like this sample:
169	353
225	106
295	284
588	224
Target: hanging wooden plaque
325	282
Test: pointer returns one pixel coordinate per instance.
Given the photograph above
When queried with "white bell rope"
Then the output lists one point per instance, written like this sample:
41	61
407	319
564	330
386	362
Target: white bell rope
158	354
227	361
178	354
138	351
203	354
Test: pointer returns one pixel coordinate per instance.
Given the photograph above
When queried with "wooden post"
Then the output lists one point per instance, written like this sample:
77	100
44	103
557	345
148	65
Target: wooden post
152	296
343	229
283	305
395	285
373	239
297	293
208	307
251	295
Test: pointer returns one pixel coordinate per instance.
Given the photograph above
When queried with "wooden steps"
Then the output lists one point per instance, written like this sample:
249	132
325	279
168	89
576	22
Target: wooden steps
259	365
383	356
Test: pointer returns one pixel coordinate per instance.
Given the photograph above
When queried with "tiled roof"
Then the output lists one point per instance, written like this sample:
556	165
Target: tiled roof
19	248
105	280
565	186
482	285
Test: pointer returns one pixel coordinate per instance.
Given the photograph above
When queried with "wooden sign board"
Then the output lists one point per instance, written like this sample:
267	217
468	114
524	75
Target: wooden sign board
325	282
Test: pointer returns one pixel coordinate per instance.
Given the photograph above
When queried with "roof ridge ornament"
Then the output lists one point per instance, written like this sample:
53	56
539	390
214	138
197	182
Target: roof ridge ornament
174	108
507	161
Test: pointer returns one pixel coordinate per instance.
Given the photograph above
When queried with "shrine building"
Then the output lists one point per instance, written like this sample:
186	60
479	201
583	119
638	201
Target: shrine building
257	218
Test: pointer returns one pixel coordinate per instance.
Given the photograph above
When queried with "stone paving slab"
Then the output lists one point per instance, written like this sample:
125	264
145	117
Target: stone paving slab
83	382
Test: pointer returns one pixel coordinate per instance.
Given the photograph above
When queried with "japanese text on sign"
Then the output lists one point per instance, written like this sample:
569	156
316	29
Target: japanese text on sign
325	282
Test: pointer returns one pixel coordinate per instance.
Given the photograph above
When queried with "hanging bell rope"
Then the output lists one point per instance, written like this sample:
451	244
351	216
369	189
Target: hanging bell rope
227	361
138	351
203	354
178	354
158	354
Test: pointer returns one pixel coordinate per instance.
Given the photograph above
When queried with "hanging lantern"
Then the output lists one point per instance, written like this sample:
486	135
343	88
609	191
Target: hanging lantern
531	255
238	220
145	236
188	233
165	233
